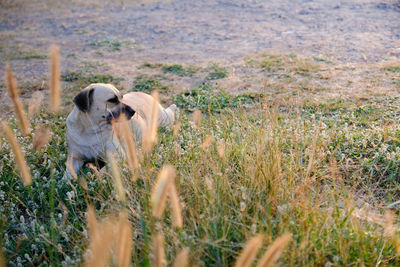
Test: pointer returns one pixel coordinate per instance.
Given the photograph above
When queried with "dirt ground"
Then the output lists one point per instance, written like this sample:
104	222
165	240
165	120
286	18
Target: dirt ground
118	36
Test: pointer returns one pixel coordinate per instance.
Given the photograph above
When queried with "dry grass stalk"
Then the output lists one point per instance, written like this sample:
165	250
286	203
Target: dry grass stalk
182	258
55	79
19	156
274	251
160	190
34	103
177	220
130	146
117	178
159	253
18	107
101	239
197	117
41	137
249	251
124	241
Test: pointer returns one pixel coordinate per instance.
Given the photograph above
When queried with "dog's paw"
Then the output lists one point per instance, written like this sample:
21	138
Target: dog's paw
173	113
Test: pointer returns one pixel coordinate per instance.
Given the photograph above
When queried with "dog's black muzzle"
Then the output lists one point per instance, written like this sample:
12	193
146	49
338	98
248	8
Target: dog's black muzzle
114	114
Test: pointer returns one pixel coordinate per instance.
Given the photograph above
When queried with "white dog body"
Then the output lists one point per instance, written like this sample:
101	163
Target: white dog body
89	130
142	104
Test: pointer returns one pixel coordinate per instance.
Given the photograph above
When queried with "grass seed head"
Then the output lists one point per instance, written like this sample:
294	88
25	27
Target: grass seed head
221	149
182	258
158	251
177	220
249	252
19	156
34	103
150	135
177	127
124	241
18	107
207	142
274	251
160	190
41	138
197	117
55	79
101	239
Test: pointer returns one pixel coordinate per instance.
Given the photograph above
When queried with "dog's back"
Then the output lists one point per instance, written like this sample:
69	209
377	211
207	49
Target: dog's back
143	103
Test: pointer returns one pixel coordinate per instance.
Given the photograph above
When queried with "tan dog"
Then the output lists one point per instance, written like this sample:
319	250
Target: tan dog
89	131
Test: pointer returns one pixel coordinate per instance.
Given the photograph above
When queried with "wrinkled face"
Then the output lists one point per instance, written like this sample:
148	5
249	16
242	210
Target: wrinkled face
102	103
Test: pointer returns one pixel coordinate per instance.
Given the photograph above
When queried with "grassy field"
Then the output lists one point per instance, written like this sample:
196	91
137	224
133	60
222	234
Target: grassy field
293	157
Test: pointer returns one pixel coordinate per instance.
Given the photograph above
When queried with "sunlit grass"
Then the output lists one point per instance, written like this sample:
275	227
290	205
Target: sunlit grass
307	178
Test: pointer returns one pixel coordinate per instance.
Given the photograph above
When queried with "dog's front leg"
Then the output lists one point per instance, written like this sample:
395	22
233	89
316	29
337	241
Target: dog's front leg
73	165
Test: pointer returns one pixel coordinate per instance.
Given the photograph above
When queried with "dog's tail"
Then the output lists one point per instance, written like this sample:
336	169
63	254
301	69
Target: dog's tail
172	114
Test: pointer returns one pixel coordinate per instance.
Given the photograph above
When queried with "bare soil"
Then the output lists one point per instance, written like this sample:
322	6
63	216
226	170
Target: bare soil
118	36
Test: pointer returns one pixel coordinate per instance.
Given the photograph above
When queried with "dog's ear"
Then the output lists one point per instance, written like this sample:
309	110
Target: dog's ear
84	100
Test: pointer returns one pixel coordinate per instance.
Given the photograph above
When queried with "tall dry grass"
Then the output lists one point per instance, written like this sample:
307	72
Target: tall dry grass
149	138
286	169
116	176
19	156
130	147
110	240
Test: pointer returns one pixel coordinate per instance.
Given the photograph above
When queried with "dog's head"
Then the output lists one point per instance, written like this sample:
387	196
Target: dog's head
102	103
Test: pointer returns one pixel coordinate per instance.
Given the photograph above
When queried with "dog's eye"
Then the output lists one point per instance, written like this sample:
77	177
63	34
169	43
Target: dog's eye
113	100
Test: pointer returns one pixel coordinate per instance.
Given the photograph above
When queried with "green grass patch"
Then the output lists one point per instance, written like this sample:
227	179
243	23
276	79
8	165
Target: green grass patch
216	72
77	76
207	98
179	70
111	45
146	83
13	52
285	63
394	68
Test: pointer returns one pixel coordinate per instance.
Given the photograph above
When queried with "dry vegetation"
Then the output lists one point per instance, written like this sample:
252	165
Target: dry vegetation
296	173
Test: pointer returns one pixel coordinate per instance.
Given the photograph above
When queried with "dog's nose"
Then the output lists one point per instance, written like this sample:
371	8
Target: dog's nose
129	112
